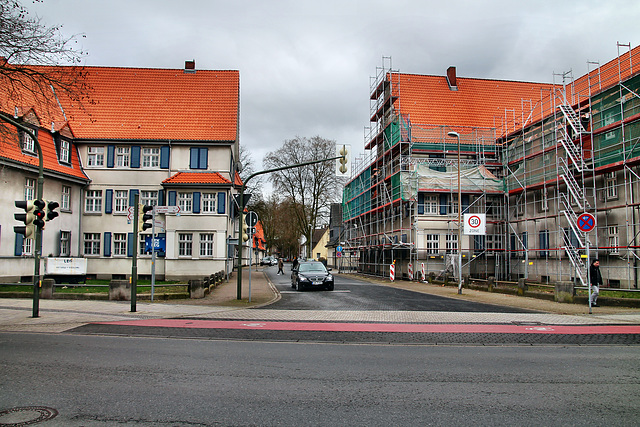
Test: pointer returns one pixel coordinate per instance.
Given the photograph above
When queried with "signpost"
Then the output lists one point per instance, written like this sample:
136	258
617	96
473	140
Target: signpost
475	224
587	223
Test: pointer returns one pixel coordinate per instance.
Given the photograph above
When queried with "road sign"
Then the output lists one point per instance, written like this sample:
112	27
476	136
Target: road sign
339	249
586	222
252	219
475	224
166	209
338	254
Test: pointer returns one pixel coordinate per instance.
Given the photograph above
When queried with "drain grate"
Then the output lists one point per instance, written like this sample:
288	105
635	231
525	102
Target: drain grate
27	415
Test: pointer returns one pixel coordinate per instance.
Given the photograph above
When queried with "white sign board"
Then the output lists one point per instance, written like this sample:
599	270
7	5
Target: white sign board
65	266
167	209
475	224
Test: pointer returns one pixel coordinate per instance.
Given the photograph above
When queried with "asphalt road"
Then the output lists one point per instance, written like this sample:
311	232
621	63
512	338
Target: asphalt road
357	295
106	380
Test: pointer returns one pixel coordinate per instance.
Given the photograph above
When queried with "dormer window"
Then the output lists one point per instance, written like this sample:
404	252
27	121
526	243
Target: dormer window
27	143
64	151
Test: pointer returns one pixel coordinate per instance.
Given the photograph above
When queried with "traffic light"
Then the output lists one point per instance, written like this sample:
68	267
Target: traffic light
28	229
245	228
343	164
50	210
143	217
39	213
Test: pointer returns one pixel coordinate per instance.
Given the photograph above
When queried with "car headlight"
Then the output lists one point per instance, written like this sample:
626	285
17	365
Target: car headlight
329	278
303	278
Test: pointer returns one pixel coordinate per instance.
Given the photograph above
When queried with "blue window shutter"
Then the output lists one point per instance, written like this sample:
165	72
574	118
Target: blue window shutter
443	204
111	153
203	158
420	203
130	245
465	203
196	202
161	197
165	151
135	156
172	198
108	201
193	162
132	194
222	197
18	247
107	243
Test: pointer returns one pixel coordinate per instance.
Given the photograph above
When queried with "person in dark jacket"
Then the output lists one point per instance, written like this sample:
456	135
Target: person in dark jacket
280	265
596	281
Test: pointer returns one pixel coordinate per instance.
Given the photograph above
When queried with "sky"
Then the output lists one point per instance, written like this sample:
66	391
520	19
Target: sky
305	66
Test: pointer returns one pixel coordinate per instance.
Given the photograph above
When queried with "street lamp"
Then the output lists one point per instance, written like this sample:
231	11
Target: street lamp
457	136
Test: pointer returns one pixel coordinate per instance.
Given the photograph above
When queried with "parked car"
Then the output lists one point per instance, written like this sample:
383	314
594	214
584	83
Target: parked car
269	260
311	274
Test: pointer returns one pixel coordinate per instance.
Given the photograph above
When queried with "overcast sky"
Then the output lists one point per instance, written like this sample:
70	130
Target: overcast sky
305	66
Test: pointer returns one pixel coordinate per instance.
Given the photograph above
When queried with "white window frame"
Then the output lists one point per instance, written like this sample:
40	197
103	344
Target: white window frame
120	201
185	202
206	245
27	246
431	204
613	239
65	198
65	243
611	185
123	157
91	244
29	189
432	243
27	143
451	242
185	244
95	156
120	244
93	201
149	197
209	202
65	150
151	157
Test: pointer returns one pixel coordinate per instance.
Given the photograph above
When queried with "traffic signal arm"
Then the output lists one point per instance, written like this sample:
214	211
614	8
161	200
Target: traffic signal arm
143	217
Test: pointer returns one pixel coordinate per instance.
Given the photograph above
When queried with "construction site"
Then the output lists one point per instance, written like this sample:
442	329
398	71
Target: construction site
531	157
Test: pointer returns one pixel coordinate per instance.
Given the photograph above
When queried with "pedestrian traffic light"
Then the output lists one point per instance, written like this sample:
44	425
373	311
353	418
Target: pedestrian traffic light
28	229
343	164
245	228
143	217
39	213
50	210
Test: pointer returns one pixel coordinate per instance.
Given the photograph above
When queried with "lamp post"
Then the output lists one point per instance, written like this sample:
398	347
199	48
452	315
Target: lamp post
457	136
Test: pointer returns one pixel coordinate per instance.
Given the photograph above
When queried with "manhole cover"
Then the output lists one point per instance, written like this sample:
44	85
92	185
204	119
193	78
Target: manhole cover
16	417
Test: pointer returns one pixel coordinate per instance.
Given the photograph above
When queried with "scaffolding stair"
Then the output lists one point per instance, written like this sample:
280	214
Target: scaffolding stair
571	217
573	118
572	185
575	258
573	151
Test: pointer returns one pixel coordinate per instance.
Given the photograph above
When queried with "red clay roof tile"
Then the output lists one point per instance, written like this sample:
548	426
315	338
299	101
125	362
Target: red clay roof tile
197	178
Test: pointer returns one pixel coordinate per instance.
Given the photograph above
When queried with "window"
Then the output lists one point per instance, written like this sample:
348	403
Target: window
65	243
119	244
27	246
544	200
198	158
453	204
452	243
150	157
185	201
611	185
142	244
609	118
92	243
64	151
95	156
544	243
122	157
613	239
523	243
431	204
185	244
432	243
65	203
27	143
149	198
493	242
93	201
121	201
208	202
206	244
30	189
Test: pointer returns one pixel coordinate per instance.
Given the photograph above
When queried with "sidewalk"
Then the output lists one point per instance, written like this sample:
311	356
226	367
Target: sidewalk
61	315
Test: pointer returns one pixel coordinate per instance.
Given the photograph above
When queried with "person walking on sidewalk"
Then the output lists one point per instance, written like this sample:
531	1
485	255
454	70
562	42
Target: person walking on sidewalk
596	281
280	265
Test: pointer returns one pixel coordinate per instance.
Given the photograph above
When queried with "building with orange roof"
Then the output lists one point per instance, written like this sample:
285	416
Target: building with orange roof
533	158
169	136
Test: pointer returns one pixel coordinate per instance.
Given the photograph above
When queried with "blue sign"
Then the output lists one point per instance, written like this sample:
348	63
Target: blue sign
339	249
586	222
159	244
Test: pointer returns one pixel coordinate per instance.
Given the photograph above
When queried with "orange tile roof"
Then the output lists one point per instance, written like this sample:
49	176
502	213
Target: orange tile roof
197	178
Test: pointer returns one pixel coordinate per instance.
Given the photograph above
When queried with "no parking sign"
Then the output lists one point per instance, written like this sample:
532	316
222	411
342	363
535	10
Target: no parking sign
475	224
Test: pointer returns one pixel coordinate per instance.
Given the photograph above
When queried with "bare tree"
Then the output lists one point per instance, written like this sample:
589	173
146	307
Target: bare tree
32	56
254	187
310	189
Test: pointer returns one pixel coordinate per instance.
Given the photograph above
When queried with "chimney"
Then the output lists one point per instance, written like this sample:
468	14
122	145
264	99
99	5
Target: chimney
190	66
451	78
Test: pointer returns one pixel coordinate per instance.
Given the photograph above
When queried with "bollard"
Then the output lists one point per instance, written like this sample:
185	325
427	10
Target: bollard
119	290
564	292
491	281
195	289
46	292
522	287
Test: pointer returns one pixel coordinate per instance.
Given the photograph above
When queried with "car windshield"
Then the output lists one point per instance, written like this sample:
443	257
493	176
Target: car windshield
312	267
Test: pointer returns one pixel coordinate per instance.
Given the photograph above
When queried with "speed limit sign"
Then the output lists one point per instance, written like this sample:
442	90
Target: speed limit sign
475	224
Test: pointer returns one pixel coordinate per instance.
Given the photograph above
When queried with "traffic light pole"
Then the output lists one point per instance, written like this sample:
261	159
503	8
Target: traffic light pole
241	207
134	260
39	195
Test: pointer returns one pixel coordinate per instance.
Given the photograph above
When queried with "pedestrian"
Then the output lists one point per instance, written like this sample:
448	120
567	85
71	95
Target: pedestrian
596	281
280	265
295	263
